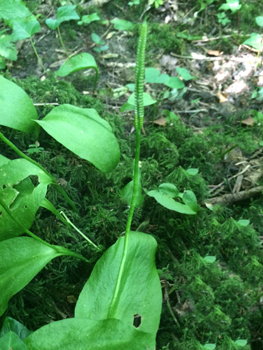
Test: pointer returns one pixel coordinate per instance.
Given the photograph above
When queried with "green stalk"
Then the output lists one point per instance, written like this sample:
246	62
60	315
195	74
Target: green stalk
54	181
38	58
62	43
81	233
138	121
61	250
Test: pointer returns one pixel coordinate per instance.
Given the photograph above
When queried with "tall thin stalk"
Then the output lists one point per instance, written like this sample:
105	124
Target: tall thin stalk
138	122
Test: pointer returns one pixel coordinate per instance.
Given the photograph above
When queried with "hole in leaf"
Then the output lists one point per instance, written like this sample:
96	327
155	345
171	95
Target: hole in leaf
1	214
25	207
137	320
4	186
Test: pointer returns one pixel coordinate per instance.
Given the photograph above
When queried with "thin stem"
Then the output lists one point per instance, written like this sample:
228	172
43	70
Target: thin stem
81	233
62	43
114	301
138	122
54	181
38	58
61	250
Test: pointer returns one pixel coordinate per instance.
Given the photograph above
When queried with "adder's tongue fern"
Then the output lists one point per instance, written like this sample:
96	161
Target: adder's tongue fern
139	109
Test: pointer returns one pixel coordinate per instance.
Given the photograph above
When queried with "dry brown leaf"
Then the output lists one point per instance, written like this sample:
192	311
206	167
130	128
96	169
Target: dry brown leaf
110	35
222	98
161	121
249	121
214	53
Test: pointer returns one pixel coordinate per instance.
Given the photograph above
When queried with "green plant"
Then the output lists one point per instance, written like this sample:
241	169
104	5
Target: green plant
87	19
24	25
153	76
126	273
223	19
64	13
100	44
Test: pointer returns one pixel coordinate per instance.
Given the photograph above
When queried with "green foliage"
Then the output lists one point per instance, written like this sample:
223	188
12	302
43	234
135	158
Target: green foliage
165	194
64	13
100	44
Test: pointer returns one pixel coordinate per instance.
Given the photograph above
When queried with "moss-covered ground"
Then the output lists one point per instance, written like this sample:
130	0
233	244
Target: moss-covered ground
203	302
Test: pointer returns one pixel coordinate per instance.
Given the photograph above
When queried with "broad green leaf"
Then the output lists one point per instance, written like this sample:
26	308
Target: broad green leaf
210	346
189	199
85	133
122	24
140	289
84	334
170	203
13	9
17	110
12	325
25	27
259	21
184	73
169	190
8	48
76	63
254	41
241	342
153	75
192	171
64	13
175	83
19	194
3	160
87	19
130	104
210	259
11	341
243	222
21	259
95	38
232	5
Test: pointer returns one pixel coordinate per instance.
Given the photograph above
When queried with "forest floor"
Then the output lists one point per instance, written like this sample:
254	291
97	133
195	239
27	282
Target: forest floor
213	124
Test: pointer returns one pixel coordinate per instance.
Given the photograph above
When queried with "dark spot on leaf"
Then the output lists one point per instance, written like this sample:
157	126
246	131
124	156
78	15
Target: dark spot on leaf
137	320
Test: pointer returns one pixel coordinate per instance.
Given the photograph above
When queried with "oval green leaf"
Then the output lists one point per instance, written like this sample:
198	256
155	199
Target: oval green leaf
241	342
76	63
21	259
259	21
25	27
19	194
210	259
11	341
169	190
85	133
17	110
12	325
175	83
84	334
140	289
64	13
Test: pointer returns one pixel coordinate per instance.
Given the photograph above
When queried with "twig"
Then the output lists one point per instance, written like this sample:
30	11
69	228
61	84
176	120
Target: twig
46	104
230	198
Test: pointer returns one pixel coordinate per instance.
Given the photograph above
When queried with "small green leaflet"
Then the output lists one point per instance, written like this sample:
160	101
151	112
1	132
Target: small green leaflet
130	104
232	5
87	19
8	48
254	41
259	21
121	24
64	13
25	27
